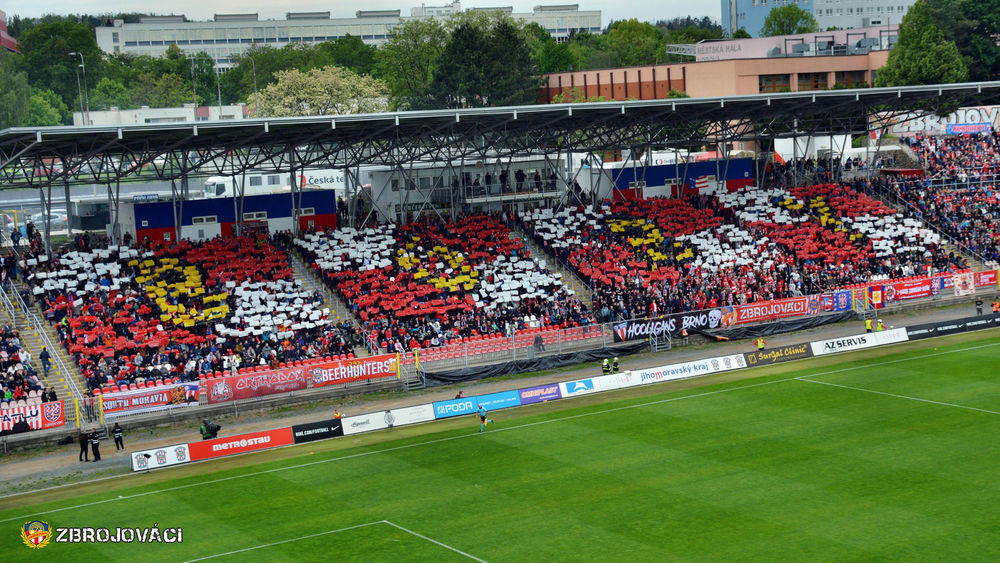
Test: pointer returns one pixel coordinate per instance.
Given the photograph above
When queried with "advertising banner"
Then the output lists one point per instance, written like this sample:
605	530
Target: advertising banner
966	128
495	401
778	309
965	284
160	457
259	384
579	387
921	331
540	394
242	443
858	342
988	279
411	415
779	354
366	422
313	431
959	122
910	289
158	398
454	407
38	417
358	369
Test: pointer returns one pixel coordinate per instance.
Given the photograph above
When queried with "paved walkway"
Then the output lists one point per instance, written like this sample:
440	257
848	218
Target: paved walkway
56	465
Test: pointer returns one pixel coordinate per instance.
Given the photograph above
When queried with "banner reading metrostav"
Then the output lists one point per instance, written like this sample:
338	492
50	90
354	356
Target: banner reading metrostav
158	398
38	417
858	342
253	441
160	457
357	369
258	384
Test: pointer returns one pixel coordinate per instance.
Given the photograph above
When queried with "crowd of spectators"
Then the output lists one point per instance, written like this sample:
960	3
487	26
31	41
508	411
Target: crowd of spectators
431	282
19	381
959	192
168	311
659	256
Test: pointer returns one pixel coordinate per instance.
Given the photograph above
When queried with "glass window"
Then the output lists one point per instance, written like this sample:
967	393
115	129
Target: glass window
774	83
274	180
812	81
255	180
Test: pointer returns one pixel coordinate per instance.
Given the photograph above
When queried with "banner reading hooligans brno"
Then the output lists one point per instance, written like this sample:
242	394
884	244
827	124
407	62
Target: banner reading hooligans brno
640	329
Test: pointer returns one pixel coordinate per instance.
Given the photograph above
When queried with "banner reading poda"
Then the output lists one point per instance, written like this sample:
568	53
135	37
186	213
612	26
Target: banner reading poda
38	417
158	398
257	384
358	369
242	443
160	457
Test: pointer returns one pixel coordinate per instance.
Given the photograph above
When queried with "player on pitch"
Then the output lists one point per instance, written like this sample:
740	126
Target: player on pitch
483	421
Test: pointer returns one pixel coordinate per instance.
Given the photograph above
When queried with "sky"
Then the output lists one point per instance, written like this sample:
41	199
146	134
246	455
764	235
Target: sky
646	10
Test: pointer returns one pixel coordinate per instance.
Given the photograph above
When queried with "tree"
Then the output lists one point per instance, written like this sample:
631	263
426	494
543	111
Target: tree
349	52
633	43
45	57
167	91
922	55
408	60
742	34
14	93
485	66
110	93
41	113
327	91
974	26
788	20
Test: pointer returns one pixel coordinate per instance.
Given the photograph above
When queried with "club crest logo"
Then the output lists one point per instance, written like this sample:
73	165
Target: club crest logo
52	411
36	534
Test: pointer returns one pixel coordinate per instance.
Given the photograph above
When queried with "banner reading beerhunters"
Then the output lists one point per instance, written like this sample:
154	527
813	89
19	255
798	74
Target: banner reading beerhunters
358	369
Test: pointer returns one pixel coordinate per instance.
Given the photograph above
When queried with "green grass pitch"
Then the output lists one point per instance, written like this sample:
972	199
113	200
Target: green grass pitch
891	454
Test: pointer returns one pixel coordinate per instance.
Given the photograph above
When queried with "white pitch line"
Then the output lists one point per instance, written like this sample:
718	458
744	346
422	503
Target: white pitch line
444	545
262	546
942	403
474	435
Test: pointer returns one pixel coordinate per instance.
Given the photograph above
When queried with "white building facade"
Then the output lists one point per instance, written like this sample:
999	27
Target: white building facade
146	114
229	35
852	14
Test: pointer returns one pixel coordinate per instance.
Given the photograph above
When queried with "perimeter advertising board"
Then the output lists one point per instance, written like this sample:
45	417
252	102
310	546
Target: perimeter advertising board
160	457
858	342
366	422
242	443
779	354
312	431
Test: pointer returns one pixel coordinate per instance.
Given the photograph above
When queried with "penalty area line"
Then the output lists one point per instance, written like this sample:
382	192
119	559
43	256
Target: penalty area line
338	530
272	544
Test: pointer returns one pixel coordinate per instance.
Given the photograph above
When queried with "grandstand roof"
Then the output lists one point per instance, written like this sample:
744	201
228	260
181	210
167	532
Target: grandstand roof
35	157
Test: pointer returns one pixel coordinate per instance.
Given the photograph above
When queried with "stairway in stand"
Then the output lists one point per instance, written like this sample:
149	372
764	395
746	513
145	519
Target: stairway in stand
66	384
312	282
571	280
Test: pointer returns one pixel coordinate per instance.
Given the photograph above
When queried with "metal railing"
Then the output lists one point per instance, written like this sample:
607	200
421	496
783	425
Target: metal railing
41	327
524	345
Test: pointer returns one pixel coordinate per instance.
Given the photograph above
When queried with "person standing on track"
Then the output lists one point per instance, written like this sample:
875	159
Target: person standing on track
84	442
760	342
483	421
979	306
868	325
95	445
117	433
